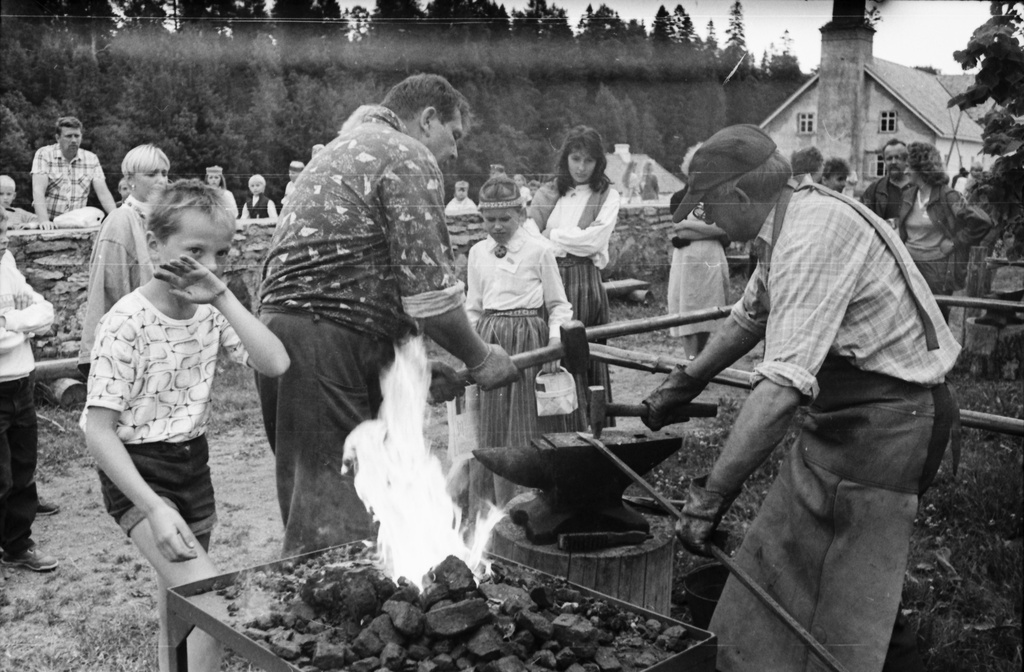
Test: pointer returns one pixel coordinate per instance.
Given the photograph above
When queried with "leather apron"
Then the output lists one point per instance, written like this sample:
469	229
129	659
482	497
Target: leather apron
832	538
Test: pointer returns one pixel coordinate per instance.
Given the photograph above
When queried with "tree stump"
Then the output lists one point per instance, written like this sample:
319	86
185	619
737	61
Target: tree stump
640	574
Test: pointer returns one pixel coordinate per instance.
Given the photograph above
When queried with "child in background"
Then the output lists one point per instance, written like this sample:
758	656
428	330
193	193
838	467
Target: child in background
524	190
120	259
124	190
16	217
215	178
461	204
577	212
148	403
294	169
258	206
23	313
513	283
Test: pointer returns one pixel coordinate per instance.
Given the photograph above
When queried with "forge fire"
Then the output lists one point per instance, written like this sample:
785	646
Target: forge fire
337	611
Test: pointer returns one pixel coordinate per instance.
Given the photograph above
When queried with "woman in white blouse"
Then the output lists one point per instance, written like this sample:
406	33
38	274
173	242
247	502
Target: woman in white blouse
577	213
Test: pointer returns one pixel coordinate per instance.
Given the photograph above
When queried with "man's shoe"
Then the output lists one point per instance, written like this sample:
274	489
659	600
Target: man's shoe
30	559
46	508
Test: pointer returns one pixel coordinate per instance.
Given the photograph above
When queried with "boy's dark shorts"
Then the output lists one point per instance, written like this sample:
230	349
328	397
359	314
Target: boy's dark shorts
179	473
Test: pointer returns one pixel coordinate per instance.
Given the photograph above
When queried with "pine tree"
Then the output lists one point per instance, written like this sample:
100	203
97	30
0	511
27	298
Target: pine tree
685	32
662	28
735	30
711	41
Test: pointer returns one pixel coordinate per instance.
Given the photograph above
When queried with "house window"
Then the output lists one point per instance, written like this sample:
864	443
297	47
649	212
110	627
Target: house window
805	122
887	122
879	169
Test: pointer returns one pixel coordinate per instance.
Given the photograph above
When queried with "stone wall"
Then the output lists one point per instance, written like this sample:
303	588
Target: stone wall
56	263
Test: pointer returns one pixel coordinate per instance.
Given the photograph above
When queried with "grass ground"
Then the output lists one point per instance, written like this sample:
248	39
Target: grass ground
963	585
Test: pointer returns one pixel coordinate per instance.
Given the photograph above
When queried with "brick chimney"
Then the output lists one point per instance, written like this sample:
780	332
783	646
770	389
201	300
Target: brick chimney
846	47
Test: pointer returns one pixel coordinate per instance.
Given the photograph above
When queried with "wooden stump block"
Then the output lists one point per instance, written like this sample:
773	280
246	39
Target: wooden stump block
640	575
993	352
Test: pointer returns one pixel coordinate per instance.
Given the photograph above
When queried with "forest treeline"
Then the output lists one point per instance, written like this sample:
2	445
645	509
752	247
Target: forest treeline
227	83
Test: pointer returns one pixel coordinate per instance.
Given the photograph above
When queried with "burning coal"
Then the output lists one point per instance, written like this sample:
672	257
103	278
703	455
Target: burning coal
402	483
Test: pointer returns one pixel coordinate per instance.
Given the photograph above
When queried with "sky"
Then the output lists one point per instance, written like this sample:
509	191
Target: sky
911	32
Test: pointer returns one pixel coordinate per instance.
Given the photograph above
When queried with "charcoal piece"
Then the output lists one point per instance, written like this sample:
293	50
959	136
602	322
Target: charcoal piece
265	621
505	625
442	646
434	593
545	659
652	628
328	656
455	574
537	624
339	590
564	658
407	618
565	594
315	627
385	629
543	596
366	664
441	604
506	664
606	660
418	652
459	650
485	644
457	618
568	608
576	667
367	644
511	598
526	640
427	666
392	657
406	592
281	645
574	630
591	667
551	645
673	639
444	662
254	634
463	663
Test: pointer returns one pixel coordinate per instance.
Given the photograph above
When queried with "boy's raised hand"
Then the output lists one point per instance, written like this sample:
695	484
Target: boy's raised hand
190	280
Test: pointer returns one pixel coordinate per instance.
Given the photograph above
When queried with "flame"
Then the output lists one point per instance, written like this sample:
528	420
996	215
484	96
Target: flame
402	483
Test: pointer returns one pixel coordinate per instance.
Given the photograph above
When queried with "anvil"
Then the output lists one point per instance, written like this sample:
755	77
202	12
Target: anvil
580	489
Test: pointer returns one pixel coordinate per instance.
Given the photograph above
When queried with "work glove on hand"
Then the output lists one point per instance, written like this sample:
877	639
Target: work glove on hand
664	405
444	383
497	369
701	514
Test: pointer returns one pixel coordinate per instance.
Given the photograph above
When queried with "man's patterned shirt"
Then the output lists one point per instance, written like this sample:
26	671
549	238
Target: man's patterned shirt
362	239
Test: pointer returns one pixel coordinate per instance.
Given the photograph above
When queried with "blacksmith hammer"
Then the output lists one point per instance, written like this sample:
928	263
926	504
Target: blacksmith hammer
600	409
574	351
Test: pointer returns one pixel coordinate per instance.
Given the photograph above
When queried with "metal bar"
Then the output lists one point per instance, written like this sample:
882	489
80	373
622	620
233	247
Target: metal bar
986	304
631	359
646	324
814	645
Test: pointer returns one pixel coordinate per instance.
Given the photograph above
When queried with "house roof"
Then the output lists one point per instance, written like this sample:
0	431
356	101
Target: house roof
667	182
957	84
926	95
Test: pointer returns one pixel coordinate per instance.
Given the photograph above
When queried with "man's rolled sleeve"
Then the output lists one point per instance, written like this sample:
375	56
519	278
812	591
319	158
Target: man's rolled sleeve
433	303
787	375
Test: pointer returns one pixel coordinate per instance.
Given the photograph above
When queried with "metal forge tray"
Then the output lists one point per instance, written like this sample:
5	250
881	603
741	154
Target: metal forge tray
197	604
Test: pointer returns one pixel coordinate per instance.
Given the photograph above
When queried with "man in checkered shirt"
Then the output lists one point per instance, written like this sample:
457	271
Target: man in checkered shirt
64	173
852	333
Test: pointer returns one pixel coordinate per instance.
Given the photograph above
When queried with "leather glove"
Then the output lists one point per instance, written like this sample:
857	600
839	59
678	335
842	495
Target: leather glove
444	383
678	242
702	513
662	405
497	369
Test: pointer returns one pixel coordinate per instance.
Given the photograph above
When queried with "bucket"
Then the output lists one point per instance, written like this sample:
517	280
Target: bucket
703	587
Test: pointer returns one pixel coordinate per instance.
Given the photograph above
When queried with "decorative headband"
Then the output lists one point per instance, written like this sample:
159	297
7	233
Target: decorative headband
495	205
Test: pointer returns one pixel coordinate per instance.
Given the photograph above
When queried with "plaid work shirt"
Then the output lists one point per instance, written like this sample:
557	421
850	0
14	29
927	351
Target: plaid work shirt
362	238
68	183
831	286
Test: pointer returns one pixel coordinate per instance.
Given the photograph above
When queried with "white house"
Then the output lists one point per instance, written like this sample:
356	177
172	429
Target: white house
856	103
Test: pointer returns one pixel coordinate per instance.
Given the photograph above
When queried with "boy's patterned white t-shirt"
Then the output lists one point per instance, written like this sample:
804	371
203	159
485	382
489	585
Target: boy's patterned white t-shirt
158	371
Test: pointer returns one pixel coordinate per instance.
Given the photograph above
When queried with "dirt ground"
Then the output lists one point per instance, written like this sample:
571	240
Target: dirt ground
102	595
